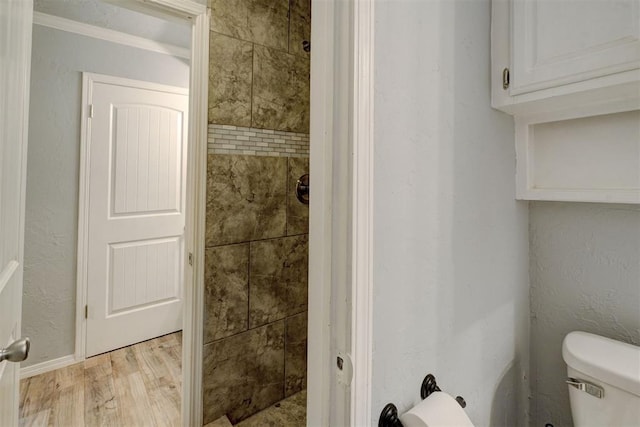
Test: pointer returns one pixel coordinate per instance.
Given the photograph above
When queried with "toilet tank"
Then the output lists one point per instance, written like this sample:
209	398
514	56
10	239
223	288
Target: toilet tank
604	380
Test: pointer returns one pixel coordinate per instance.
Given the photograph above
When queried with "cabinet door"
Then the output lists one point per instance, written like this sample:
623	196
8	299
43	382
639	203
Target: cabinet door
556	42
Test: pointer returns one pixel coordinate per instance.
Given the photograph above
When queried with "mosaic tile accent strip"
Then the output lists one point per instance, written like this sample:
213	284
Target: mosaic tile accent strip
227	139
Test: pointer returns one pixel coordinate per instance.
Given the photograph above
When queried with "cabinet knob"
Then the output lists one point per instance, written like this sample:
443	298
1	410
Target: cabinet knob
506	79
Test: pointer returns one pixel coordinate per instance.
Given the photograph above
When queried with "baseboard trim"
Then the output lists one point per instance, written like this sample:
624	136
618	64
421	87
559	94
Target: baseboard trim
49	365
112	36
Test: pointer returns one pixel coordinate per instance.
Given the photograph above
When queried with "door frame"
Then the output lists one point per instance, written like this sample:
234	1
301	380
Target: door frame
193	306
193	286
82	283
362	182
341	213
15	267
341	58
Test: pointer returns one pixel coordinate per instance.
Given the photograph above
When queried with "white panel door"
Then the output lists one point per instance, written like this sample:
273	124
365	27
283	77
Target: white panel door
15	60
137	139
557	42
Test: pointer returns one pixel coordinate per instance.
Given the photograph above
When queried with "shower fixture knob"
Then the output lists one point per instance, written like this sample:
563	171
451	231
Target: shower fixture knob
302	189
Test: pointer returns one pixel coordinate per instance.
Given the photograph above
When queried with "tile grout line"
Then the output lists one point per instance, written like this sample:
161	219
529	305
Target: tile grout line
284	360
248	287
289	29
277	49
284	319
257	240
286	199
253	72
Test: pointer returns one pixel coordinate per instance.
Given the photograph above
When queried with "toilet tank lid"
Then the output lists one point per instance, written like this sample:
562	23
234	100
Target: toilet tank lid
614	362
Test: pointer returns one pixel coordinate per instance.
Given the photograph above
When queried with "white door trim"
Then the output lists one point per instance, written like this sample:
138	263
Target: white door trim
193	319
16	61
192	340
192	349
88	80
362	226
341	82
319	344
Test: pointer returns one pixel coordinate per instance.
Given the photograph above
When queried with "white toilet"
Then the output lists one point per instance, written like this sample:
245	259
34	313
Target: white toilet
604	380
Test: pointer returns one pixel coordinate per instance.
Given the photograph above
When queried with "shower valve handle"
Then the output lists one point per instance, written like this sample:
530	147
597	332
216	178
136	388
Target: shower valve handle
302	189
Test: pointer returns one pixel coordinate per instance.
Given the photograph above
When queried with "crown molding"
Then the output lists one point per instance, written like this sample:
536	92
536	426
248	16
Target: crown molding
106	34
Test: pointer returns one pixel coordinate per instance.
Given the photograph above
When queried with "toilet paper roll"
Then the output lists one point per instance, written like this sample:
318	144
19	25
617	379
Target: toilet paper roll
437	410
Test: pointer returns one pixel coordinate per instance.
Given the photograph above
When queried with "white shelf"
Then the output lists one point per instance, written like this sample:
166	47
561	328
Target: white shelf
587	158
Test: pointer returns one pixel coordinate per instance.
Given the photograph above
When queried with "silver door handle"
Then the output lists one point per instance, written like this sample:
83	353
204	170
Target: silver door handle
17	351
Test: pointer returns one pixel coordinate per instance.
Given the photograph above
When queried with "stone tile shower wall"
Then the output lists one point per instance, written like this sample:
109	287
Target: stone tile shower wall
255	284
255	330
259	73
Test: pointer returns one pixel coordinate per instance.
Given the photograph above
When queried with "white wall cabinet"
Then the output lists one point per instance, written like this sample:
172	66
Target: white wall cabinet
563	53
559	42
559	67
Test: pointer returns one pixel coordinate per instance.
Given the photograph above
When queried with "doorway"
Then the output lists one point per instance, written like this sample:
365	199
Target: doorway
340	231
329	395
65	43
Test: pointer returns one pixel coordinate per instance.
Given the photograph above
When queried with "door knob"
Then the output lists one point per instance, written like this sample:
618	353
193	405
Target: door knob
17	351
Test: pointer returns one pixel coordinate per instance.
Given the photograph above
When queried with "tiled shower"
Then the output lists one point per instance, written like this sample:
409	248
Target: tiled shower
255	330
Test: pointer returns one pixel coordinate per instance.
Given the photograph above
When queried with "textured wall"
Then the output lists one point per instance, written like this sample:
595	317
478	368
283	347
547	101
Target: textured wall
585	275
450	242
58	58
255	328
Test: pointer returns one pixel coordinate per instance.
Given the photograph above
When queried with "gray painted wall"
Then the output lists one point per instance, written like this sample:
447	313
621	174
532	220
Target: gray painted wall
450	242
106	15
585	275
58	58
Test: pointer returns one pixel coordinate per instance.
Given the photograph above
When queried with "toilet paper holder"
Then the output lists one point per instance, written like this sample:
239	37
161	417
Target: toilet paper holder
389	415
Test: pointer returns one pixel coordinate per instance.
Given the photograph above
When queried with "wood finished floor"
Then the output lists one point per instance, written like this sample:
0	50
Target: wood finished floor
134	386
